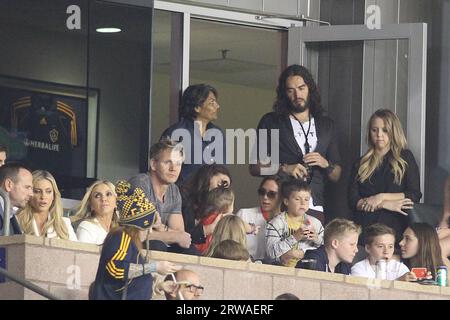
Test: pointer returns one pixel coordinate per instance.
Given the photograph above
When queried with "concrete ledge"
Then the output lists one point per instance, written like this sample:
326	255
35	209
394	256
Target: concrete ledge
370	283
445	291
223	263
169	256
416	287
57	264
21	239
328	276
271	269
73	245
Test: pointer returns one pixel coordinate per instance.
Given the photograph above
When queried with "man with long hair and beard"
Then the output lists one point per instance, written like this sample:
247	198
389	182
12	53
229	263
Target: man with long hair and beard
308	148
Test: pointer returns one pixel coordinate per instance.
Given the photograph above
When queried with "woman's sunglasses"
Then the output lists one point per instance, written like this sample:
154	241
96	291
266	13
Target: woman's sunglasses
270	194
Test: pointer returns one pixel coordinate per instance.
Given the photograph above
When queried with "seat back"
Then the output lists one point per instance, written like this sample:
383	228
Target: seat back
427	213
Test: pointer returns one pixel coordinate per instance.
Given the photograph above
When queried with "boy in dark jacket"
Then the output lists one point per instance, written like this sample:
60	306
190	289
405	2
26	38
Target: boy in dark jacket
339	249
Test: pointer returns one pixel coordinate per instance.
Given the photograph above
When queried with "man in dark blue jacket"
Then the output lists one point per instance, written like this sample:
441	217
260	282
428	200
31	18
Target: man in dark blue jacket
17	182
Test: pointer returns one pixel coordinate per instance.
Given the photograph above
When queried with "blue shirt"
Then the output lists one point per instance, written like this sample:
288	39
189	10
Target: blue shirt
206	151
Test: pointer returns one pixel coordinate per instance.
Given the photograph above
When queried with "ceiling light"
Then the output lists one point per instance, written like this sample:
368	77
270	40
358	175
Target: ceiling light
108	30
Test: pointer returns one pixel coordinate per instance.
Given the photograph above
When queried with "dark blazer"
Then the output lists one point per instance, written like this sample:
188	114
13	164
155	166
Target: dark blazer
291	153
14	224
382	181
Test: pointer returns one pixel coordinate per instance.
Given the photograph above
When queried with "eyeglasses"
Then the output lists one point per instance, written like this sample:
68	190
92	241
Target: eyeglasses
198	290
270	194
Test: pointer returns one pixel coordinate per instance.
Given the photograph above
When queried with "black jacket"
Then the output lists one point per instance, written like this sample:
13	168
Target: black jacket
291	153
321	257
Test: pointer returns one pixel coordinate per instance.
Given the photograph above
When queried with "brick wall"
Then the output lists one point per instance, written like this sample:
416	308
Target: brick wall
53	264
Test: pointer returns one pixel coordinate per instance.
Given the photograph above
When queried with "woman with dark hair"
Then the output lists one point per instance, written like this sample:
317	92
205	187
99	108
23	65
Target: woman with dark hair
385	181
420	249
199	107
194	192
257	217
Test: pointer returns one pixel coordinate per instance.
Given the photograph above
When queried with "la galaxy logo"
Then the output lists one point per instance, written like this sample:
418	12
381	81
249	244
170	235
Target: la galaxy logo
53	135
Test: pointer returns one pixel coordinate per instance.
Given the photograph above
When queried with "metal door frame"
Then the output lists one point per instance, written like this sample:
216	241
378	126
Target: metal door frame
416	34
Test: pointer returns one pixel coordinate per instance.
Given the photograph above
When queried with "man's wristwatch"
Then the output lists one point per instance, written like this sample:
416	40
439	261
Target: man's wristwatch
330	167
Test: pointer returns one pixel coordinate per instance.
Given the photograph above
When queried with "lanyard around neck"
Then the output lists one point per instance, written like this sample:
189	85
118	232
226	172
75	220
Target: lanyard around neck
306	133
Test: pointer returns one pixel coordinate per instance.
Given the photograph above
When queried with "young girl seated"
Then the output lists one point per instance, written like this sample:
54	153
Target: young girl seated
380	242
231	250
219	202
291	233
230	227
420	249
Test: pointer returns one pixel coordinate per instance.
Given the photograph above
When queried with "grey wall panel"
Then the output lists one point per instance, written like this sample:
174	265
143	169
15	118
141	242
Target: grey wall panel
438	102
289	7
214	2
388	8
247	4
342	11
412	11
384	76
401	94
314	8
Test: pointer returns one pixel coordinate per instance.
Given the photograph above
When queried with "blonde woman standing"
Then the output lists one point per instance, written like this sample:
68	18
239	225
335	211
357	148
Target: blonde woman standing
385	181
43	215
97	212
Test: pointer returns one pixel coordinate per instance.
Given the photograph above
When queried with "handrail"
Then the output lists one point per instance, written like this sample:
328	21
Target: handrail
6	211
27	284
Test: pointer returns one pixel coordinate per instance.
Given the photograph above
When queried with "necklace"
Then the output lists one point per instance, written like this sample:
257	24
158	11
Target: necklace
306	133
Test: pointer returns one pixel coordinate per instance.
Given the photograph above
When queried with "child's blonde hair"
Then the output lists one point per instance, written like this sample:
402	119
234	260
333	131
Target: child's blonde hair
229	227
339	228
217	200
231	250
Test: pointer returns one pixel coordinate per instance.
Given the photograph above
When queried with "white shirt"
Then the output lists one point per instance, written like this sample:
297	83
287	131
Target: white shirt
256	244
91	231
312	141
51	233
395	269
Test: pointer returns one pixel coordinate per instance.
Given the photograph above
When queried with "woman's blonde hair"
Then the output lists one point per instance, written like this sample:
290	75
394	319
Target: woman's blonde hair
371	160
84	211
55	220
229	227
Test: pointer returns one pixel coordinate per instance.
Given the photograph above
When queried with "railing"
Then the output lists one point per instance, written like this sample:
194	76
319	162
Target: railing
6	211
27	284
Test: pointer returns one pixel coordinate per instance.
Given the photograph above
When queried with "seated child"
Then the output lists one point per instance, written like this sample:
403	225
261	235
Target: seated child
290	234
231	250
420	249
219	202
339	249
380	241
